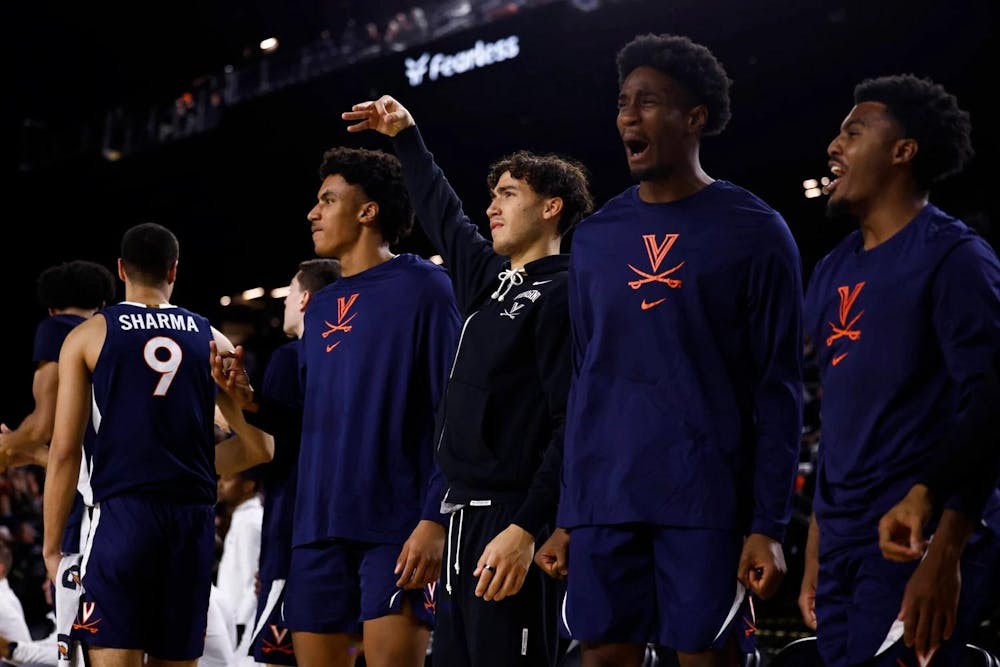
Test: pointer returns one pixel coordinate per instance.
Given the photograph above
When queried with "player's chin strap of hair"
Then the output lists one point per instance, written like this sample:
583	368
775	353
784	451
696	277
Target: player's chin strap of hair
458	547
508	279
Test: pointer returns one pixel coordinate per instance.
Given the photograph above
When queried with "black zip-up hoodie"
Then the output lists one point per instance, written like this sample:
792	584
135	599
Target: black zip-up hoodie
500	426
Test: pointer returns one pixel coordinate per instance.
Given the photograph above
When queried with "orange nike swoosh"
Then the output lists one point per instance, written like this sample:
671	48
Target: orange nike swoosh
330	347
840	357
652	304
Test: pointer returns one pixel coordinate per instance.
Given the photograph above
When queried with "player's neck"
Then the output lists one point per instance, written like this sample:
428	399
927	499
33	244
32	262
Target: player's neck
363	256
542	248
674	185
887	216
80	312
149	296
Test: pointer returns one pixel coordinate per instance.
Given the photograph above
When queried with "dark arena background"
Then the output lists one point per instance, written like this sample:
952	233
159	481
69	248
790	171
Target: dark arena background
119	113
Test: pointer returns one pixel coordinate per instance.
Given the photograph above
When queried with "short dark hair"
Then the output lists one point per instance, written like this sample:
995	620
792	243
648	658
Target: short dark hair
148	252
380	176
76	284
315	274
689	64
549	175
930	115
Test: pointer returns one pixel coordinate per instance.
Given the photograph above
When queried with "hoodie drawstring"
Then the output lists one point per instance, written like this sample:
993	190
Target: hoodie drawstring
458	547
508	279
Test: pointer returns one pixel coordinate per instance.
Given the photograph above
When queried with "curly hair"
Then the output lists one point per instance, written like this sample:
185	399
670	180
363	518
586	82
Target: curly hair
148	252
687	62
550	176
380	176
76	284
930	115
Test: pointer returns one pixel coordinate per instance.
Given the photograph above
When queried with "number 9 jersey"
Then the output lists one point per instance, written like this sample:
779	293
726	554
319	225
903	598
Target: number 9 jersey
153	405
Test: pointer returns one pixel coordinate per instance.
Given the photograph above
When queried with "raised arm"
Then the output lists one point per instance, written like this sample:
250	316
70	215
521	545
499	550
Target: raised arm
471	261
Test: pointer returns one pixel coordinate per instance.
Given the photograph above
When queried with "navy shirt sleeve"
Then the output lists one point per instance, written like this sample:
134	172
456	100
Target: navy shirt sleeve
775	318
438	329
966	297
279	402
970	456
49	337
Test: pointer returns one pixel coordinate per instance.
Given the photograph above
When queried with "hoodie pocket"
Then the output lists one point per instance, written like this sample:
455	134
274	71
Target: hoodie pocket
464	422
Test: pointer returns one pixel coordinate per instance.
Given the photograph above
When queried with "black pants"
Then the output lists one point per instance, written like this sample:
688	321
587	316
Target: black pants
518	631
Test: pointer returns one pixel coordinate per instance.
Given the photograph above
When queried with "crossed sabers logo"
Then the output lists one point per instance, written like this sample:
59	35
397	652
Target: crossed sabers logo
656	253
430	602
846	329
86	611
343	325
514	311
280	643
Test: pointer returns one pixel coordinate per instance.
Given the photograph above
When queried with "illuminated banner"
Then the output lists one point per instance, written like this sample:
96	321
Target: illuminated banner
443	64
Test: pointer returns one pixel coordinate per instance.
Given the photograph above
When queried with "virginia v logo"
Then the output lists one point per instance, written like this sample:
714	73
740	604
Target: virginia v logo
656	252
845	327
281	644
343	324
86	611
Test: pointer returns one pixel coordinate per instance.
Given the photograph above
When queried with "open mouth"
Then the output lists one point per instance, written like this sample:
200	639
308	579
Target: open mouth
636	148
838	173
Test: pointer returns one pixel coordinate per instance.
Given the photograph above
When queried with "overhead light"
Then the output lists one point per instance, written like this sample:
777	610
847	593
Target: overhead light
269	45
812	193
226	300
810	183
253	293
280	292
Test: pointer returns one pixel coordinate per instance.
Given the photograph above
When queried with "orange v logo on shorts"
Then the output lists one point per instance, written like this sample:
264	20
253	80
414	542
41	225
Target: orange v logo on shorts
280	643
656	251
86	611
430	601
343	324
845	328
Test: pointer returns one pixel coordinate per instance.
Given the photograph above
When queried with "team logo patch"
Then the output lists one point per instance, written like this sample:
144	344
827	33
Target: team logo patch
282	641
656	252
83	620
531	295
343	324
514	311
847	323
430	601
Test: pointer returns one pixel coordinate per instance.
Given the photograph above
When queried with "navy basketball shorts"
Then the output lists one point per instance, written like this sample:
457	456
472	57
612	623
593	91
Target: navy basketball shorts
147	574
641	583
335	585
859	593
272	640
